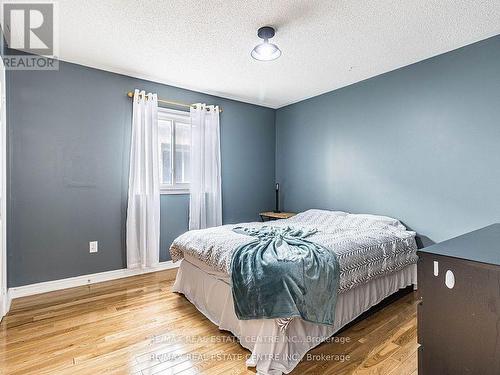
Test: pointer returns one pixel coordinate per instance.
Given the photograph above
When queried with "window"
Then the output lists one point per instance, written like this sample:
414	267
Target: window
174	138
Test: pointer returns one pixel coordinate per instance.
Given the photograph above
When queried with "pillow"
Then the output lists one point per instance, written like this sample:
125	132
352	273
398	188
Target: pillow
317	211
384	219
315	215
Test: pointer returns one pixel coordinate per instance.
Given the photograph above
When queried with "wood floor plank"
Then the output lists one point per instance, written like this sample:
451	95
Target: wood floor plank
137	326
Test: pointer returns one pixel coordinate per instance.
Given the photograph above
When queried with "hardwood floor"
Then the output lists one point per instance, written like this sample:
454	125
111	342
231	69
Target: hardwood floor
138	326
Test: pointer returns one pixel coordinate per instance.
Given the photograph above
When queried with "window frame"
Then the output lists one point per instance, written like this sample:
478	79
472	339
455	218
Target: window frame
174	116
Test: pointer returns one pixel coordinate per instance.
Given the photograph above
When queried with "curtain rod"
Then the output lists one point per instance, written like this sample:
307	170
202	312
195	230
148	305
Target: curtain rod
130	94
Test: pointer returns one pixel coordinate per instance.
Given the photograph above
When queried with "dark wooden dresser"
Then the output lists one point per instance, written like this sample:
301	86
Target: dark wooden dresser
459	311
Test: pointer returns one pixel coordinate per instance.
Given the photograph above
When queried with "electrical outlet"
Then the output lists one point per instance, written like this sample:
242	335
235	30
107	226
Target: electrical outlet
93	246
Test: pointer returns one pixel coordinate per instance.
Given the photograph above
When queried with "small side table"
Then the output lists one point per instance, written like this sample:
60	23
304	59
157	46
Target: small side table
270	215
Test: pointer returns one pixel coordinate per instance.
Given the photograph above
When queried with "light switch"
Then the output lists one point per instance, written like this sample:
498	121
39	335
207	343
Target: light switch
436	268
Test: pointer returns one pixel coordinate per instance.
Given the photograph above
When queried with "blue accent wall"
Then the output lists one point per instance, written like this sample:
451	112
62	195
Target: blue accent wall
69	139
421	143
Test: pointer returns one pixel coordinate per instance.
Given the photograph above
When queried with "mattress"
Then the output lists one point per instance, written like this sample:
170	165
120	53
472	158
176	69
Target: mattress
367	246
275	350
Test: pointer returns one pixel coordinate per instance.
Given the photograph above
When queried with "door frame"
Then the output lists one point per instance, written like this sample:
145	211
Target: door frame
4	297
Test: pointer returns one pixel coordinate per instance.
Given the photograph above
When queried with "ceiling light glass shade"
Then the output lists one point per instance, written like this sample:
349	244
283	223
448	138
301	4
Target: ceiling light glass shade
266	52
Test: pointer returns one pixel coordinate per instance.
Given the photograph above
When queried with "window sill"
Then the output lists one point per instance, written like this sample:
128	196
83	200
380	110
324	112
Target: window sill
174	192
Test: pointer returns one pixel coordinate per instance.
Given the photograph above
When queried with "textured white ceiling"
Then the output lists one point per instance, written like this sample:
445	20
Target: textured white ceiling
326	44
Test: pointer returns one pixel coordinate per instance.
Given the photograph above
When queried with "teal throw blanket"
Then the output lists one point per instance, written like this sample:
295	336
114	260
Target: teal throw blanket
282	275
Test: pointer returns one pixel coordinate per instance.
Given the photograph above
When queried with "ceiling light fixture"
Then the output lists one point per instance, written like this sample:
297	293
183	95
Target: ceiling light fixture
266	51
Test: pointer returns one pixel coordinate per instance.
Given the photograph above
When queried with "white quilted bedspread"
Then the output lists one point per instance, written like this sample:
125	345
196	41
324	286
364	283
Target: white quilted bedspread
367	246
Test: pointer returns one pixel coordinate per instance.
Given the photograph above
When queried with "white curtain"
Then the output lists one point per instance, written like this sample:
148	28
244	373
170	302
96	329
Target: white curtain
143	212
205	206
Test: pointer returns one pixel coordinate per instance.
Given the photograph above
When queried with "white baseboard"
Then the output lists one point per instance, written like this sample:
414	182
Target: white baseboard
8	302
71	282
5	304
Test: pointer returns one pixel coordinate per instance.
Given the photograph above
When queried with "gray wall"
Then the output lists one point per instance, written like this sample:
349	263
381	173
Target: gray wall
69	137
421	144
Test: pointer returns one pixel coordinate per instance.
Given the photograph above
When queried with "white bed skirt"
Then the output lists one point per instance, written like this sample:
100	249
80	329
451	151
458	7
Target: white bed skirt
276	351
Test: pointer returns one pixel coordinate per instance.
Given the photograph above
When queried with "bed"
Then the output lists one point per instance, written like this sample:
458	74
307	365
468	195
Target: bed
376	255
